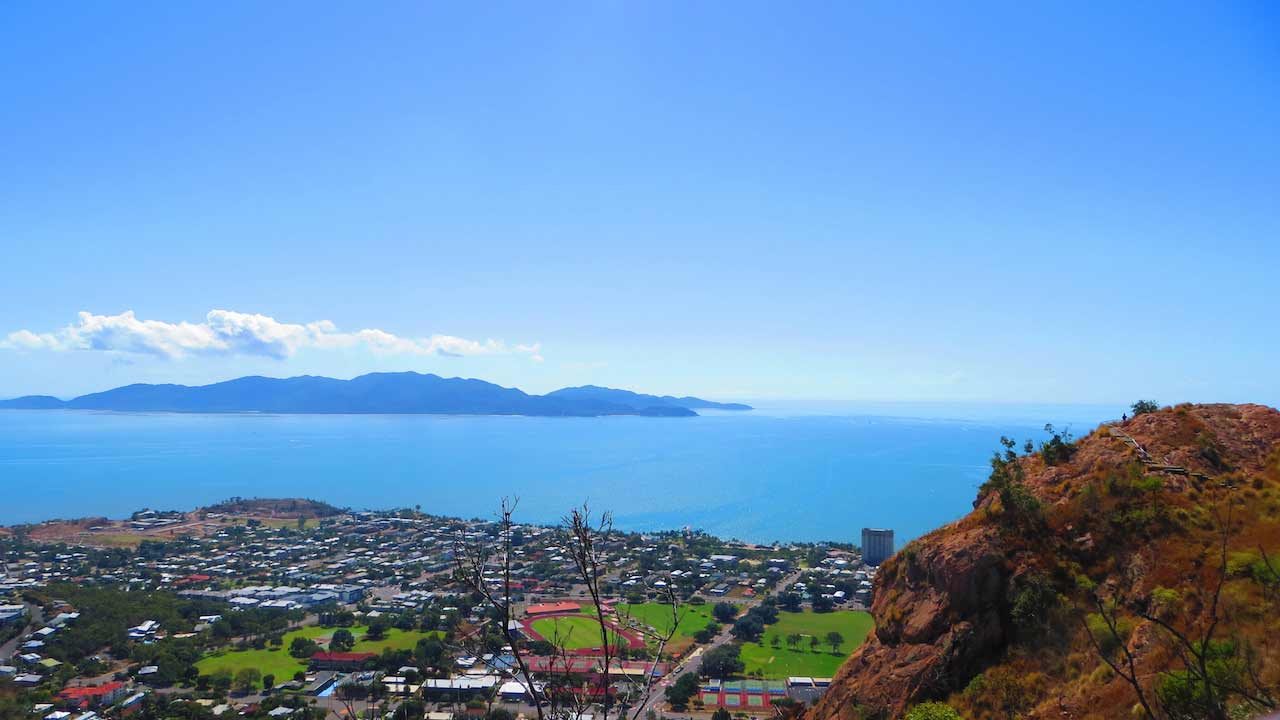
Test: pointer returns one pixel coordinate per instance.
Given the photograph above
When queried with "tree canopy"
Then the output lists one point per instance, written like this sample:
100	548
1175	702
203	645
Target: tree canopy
723	661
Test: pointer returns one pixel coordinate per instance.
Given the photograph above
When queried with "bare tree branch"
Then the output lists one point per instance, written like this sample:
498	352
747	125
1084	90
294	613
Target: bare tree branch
584	539
470	561
1130	674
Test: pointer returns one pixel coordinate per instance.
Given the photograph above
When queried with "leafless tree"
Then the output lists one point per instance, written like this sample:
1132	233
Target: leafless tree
1194	644
349	699
470	561
571	695
486	568
588	535
1196	650
1271	581
1125	668
472	644
658	638
585	537
348	703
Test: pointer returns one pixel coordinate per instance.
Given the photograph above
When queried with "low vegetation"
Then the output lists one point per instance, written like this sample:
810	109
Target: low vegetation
574	632
804	644
1128	573
281	660
691	627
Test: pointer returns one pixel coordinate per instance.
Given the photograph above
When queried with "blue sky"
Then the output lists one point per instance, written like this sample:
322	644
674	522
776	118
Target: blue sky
841	201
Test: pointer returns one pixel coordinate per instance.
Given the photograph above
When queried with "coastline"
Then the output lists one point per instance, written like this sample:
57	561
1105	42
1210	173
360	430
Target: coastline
756	476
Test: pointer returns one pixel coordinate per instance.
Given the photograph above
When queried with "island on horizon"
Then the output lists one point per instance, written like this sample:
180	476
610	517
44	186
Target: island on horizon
375	393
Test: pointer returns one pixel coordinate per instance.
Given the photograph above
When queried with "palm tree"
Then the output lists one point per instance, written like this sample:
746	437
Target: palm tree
793	640
813	643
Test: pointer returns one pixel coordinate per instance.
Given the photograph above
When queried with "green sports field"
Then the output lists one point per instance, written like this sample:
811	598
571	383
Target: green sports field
692	619
658	616
572	632
395	639
271	661
784	661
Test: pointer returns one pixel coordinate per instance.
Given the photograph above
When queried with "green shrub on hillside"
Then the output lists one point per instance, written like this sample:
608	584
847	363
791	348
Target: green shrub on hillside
933	711
1033	601
1184	695
1142	407
1107	640
1020	506
1058	448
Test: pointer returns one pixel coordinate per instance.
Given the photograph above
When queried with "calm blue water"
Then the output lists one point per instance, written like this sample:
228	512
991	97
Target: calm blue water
758	476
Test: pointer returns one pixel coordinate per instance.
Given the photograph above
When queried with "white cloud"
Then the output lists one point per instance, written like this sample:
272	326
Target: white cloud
225	332
25	339
534	351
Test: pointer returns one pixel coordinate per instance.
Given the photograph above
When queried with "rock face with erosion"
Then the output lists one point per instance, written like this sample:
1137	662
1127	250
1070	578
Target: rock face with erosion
1124	511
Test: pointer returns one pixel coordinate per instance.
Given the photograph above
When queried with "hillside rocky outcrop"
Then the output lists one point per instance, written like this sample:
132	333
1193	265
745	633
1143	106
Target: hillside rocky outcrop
944	604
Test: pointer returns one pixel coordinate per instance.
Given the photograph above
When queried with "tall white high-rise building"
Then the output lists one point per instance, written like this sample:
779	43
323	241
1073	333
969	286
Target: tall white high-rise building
877	545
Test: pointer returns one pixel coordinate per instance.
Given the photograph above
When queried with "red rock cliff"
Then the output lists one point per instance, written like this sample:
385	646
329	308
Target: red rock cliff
944	603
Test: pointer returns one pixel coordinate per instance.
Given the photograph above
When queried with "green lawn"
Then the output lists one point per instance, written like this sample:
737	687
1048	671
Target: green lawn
270	662
783	661
658	616
322	634
692	619
571	632
278	662
395	640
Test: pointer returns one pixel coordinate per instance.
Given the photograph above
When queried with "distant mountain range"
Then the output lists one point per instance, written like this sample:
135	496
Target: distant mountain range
404	393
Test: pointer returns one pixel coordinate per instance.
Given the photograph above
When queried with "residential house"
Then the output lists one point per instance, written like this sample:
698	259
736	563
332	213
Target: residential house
91	696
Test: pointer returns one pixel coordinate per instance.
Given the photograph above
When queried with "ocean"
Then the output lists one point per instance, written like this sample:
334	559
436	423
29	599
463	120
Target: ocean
770	474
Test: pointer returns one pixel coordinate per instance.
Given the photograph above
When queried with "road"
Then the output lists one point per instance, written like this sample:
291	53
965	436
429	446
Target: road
35	620
693	663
